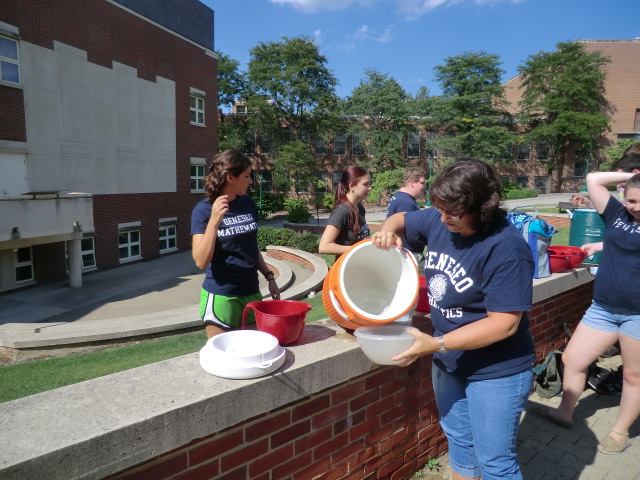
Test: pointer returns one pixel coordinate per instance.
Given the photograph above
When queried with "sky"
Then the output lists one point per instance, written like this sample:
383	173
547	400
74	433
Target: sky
406	39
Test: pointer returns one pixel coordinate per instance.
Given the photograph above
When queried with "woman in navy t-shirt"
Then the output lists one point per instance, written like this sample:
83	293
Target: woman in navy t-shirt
614	314
480	288
224	229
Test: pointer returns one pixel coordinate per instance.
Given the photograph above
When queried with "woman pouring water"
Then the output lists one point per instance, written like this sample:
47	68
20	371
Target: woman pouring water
480	288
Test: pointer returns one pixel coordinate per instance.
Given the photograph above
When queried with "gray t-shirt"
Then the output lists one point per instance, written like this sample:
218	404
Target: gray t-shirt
340	219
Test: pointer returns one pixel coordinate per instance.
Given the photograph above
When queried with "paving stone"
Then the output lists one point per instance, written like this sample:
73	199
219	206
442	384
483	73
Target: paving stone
593	473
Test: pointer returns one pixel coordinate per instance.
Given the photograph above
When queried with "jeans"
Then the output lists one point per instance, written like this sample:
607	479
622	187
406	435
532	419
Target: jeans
613	320
481	420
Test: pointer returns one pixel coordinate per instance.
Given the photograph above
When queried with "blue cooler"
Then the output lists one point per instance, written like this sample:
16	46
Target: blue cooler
586	227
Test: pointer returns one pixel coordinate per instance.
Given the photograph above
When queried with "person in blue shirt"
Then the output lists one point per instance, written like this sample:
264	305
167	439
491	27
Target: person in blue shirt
614	314
405	199
224	229
480	290
347	224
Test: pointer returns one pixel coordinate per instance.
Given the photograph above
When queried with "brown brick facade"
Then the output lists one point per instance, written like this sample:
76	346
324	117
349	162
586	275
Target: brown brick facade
108	33
12	126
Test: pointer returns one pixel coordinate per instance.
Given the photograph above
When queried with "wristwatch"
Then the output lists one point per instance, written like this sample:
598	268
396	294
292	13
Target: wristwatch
269	276
441	347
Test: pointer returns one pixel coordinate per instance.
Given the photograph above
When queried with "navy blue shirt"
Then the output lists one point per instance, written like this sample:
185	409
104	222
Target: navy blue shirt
618	283
468	276
401	202
233	270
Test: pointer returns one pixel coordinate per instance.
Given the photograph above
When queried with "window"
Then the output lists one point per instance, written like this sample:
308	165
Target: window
542	184
505	180
88	252
249	143
357	145
265	143
337	175
524	149
413	144
23	261
241	109
580	168
431	150
321	146
302	184
542	151
636	121
196	108
198	169
321	181
340	144
522	181
9	60
167	235
129	242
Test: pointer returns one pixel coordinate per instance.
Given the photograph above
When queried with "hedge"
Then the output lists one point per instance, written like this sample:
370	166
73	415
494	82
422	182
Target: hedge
285	237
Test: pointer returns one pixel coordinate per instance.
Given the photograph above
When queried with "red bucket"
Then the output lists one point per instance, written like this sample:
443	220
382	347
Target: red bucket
284	319
575	254
423	296
558	263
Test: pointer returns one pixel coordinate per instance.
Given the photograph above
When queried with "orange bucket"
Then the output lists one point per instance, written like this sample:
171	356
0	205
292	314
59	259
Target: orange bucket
368	286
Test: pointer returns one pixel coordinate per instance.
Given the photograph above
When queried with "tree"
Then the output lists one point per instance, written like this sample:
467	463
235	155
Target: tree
231	88
291	88
563	102
383	104
471	109
295	166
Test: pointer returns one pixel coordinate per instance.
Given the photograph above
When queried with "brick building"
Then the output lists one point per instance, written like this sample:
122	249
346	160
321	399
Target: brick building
108	114
622	92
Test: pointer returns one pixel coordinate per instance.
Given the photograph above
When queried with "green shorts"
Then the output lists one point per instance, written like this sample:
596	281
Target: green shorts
224	311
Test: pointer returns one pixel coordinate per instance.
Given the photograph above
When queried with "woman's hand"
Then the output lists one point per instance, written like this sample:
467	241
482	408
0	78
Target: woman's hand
219	208
423	345
385	240
273	289
591	248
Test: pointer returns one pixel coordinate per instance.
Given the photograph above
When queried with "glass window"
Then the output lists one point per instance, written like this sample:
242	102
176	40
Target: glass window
413	144
522	181
23	264
302	184
340	144
542	151
249	144
524	149
265	142
88	252
580	168
197	177
167	238
357	145
129	245
264	178
321	146
196	110
9	60
337	175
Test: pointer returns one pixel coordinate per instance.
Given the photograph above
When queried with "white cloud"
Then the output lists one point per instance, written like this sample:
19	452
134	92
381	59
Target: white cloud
364	33
317	37
412	9
313	6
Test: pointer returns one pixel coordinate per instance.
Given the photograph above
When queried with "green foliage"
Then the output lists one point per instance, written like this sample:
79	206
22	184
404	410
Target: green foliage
294	165
472	108
433	465
385	182
286	237
563	101
613	153
271	202
231	81
231	133
292	86
297	211
515	192
385	107
329	200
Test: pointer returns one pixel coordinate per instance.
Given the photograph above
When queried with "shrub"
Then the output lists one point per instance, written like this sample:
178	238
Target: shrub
297	211
385	182
329	200
286	237
271	202
515	192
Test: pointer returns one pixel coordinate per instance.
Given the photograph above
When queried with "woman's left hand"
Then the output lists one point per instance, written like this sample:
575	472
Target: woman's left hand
423	345
385	240
274	290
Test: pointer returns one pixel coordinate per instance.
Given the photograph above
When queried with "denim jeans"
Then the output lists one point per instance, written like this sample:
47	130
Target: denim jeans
481	419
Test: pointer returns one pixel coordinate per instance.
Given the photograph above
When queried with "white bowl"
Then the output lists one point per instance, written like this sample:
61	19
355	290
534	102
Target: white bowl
381	344
242	354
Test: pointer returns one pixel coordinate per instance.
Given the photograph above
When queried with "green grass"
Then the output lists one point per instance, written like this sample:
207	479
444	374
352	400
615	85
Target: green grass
562	237
35	376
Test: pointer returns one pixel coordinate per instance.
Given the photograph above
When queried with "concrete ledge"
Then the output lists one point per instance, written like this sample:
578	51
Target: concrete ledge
101	426
317	265
544	288
284	279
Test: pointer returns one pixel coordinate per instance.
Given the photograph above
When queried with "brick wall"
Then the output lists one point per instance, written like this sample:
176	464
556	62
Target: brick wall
379	425
108	33
12	126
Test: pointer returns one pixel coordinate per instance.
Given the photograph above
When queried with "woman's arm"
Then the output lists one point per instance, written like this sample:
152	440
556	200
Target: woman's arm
203	244
597	185
495	327
328	242
268	274
391	232
592	248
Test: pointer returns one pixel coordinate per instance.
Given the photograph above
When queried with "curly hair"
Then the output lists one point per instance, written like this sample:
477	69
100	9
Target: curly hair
470	186
350	175
227	162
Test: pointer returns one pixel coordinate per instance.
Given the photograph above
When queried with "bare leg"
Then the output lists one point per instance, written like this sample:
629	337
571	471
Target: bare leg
586	345
630	401
457	476
212	330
